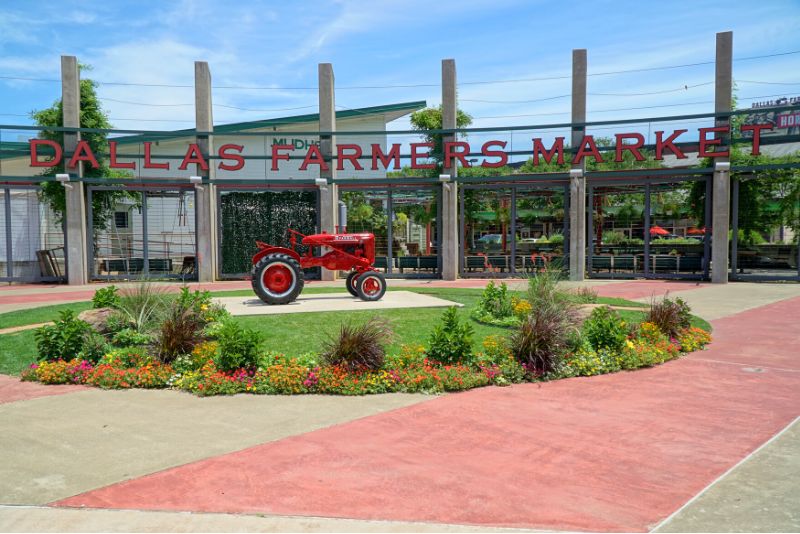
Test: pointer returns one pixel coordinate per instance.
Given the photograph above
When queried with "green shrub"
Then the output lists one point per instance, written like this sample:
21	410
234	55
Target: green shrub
238	347
62	340
142	306
117	322
105	297
94	347
212	329
451	340
495	301
128	336
670	316
613	237
180	330
605	329
194	299
358	346
556	239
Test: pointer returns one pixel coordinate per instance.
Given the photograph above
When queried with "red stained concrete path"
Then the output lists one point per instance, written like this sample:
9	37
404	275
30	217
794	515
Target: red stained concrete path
614	452
646	288
12	389
34	293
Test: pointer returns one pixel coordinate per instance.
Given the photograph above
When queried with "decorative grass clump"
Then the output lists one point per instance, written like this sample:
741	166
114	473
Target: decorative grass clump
358	346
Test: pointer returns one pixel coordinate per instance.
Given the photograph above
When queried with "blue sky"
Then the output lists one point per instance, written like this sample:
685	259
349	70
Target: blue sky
279	44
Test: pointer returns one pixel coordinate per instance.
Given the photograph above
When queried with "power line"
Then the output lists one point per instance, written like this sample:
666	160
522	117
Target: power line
621	109
105	99
147	104
514	101
264	110
767	83
665	91
406	86
342	107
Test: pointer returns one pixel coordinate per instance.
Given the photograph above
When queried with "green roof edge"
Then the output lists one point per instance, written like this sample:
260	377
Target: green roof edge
280	121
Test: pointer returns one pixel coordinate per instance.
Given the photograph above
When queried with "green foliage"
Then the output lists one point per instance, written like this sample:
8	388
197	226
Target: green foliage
198	300
358	346
613	237
127	357
141	306
105	297
62	340
748	238
766	202
427	119
238	347
128	337
670	316
544	289
91	116
495	301
556	238
675	241
308	360
451	341
605	329
585	295
94	347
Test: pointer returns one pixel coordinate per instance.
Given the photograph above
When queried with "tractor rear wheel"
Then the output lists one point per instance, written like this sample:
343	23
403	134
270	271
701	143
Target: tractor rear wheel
277	278
371	286
350	283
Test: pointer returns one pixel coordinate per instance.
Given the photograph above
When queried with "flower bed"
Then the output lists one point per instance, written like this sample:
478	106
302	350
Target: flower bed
200	350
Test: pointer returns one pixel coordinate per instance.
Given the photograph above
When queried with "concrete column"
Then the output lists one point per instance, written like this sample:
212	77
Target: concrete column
449	230
721	193
75	216
205	195
577	182
328	197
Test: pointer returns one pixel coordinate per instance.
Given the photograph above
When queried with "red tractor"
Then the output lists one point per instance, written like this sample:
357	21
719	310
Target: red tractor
277	274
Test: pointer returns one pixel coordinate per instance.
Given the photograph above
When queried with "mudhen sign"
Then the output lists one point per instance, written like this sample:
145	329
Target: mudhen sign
231	158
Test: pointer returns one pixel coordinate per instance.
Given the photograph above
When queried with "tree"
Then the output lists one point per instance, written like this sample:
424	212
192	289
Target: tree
91	116
428	119
772	200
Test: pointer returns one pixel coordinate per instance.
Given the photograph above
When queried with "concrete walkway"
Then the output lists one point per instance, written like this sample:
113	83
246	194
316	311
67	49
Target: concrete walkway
325	302
658	448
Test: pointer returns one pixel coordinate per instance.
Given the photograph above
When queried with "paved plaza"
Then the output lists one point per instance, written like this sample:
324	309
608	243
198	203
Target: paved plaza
709	442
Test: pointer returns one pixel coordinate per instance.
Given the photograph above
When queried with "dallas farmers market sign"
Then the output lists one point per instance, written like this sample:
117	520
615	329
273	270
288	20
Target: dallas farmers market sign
231	157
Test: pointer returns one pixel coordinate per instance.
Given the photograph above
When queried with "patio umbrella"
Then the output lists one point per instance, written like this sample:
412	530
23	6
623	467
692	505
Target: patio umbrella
657	230
696	231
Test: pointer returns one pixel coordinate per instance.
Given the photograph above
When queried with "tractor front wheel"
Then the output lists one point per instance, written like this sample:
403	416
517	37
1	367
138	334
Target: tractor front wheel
371	286
277	278
350	283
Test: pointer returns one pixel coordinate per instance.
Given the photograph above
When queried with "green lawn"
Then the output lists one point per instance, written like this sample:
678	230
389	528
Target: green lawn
40	315
296	333
17	351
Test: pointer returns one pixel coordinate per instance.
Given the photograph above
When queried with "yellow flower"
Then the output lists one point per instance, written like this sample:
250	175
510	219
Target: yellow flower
629	343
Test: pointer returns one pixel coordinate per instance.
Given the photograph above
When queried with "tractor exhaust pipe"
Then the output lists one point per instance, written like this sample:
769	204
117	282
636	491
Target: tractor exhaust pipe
342	228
